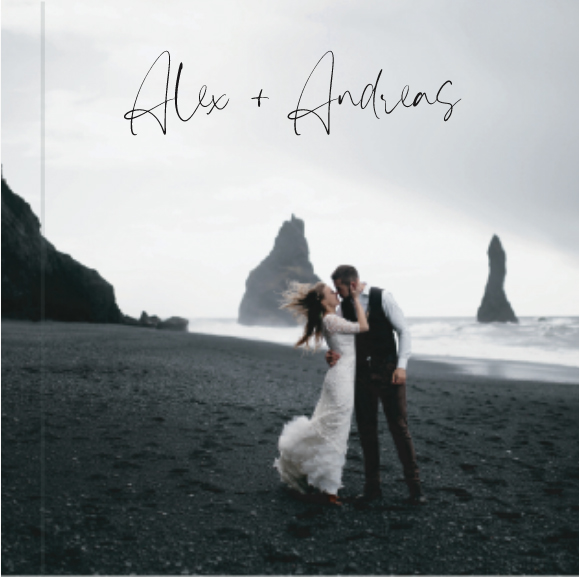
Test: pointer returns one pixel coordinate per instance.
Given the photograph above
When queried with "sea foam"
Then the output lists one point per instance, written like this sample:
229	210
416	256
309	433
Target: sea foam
550	340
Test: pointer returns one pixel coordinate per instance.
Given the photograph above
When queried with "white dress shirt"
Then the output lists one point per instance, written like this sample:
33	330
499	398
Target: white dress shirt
396	317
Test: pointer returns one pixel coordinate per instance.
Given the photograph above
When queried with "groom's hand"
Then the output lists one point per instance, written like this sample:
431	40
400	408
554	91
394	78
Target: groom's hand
399	377
332	357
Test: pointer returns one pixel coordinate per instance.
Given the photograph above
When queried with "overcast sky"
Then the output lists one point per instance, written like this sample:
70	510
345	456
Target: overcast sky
176	222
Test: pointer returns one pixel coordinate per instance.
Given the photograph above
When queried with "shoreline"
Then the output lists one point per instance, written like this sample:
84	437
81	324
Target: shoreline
506	370
502	369
158	458
549	347
491	368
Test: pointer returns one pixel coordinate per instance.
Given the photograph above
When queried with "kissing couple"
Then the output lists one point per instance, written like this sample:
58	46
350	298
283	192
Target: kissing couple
366	369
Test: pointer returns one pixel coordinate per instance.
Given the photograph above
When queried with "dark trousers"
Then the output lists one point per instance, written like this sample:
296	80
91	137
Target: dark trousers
370	391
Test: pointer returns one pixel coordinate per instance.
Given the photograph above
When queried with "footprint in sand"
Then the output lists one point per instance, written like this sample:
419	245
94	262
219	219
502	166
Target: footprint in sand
211	487
126	465
299	530
494	438
493	482
459	492
96	477
512	516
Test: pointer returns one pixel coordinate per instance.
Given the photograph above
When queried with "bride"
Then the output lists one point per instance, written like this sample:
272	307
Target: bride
313	451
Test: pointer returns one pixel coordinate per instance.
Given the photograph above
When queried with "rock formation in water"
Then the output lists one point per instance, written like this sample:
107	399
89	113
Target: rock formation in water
495	307
154	322
149	321
174	324
288	261
72	291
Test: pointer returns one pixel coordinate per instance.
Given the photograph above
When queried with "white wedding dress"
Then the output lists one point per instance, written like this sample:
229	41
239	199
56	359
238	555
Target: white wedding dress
313	451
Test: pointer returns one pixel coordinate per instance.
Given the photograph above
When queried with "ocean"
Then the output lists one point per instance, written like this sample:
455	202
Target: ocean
535	345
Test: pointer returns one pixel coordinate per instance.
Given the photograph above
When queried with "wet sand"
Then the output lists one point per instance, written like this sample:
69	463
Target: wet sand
129	450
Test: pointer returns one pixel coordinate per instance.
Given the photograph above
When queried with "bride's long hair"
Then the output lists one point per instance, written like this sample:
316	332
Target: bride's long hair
305	300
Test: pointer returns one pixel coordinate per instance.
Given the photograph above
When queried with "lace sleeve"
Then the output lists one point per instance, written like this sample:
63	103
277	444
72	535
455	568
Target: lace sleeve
336	324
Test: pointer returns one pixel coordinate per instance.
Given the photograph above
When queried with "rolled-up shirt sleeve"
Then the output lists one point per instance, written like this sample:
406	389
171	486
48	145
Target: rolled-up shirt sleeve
400	325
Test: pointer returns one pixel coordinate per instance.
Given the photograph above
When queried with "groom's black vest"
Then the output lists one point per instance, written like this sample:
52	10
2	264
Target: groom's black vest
377	347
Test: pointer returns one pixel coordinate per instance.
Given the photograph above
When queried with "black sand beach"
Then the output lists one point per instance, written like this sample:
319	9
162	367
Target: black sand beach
130	450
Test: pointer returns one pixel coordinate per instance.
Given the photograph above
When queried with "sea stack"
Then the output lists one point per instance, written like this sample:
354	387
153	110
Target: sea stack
154	322
495	307
288	261
72	292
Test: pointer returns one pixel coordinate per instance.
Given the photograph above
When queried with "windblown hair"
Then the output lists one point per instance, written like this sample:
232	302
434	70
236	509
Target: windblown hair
345	273
305	300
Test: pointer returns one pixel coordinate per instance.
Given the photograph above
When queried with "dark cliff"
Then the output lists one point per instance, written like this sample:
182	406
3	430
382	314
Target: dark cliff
495	307
288	261
72	292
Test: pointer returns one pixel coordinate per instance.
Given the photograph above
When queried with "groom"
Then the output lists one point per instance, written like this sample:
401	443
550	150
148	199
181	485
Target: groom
380	378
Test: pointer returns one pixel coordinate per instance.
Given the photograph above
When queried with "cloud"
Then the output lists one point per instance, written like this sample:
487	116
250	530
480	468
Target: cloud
410	197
